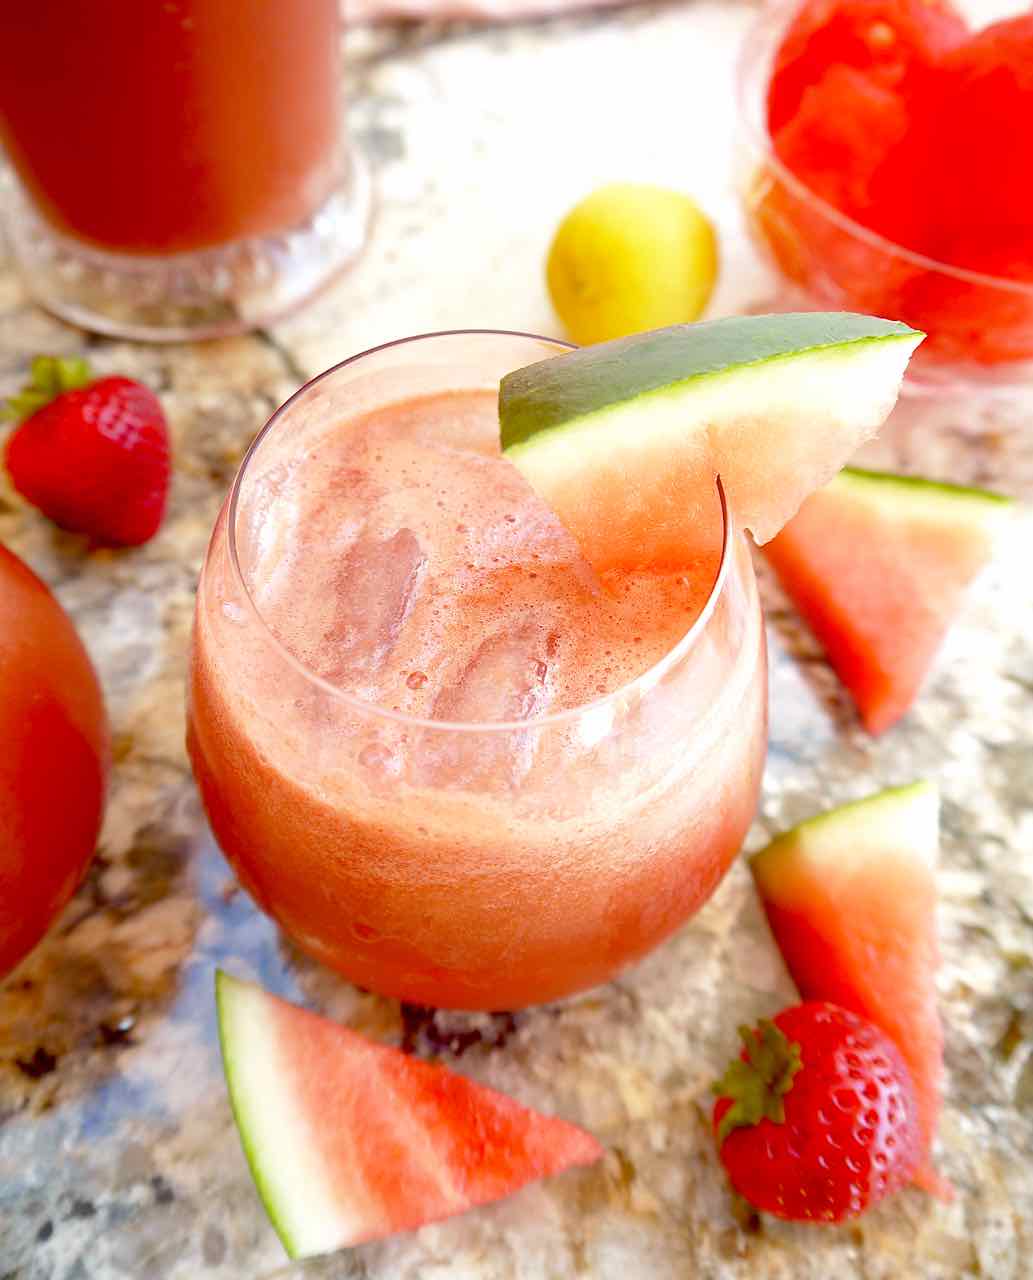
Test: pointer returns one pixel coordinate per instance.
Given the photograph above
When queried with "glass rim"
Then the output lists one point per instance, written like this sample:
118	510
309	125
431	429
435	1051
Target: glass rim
644	680
751	67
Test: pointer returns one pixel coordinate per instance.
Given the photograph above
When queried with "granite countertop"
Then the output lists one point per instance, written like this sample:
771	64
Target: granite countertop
118	1157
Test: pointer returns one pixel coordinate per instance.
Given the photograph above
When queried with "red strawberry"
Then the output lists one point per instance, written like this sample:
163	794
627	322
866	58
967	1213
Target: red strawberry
817	1119
93	456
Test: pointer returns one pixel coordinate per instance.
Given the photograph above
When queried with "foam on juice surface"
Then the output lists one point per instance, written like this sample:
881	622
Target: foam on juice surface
405	561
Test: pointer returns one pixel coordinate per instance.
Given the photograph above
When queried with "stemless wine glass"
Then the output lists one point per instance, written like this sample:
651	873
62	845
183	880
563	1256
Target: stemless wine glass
478	865
178	168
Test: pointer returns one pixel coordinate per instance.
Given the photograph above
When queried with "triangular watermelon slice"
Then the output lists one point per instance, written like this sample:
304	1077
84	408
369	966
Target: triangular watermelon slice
851	899
349	1140
625	439
877	563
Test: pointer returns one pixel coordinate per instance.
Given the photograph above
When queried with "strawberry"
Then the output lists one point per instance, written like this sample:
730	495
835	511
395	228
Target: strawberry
817	1118
92	455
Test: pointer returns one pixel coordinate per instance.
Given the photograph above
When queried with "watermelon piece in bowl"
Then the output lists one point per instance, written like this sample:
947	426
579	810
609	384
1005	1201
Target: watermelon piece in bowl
350	1141
831	258
980	307
894	44
851	900
624	439
983	158
853	105
849	144
877	564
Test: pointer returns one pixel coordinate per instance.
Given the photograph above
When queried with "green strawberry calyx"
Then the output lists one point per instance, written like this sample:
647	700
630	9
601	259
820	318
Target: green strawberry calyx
49	377
757	1082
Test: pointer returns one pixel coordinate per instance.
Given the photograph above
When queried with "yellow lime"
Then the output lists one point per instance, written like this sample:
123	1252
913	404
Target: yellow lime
631	257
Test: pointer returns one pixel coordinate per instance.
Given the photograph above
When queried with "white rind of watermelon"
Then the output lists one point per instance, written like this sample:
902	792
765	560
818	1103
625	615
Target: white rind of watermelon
900	818
301	1201
915	498
624	440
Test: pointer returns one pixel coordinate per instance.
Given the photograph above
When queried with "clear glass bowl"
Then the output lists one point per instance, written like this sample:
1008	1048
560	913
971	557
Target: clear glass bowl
980	327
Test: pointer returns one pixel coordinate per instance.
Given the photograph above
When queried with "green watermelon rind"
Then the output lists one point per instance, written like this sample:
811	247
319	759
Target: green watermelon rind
574	390
909	810
233	1023
898	490
619	437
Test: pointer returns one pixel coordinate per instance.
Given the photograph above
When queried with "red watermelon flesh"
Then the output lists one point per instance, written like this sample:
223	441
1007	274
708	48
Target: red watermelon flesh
877	564
970	318
894	43
984	185
349	1140
851	900
843	142
838	266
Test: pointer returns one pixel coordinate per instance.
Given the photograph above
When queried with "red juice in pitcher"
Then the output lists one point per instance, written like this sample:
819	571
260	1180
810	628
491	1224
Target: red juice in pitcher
160	126
149	130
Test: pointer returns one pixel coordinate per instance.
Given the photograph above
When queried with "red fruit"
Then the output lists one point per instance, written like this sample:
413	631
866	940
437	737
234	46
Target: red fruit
882	615
817	1119
982	193
849	144
93	456
350	1141
894	43
985	132
840	142
972	319
54	754
839	265
851	899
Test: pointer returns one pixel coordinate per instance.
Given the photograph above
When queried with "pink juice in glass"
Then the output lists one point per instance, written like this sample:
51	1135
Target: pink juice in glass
453	763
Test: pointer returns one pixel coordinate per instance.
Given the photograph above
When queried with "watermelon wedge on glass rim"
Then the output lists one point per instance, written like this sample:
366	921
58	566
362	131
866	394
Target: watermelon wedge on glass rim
624	439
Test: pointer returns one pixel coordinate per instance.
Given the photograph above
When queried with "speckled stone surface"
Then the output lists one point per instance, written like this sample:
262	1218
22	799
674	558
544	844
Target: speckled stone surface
118	1157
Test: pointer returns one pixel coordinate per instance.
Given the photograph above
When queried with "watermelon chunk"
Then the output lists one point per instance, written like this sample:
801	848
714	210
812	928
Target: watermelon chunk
835	262
851	900
624	439
349	1140
893	43
970	318
839	142
985	135
858	146
877	564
